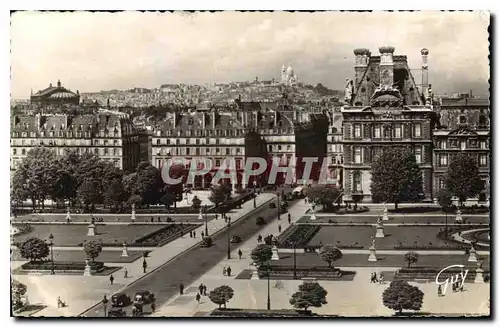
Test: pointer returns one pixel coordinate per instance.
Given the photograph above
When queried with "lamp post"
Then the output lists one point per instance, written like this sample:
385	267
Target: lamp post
294	261
279	209
105	304
268	285
51	244
254	195
206	221
228	240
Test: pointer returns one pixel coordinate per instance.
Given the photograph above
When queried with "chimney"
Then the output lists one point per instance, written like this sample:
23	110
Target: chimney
425	71
386	65
361	57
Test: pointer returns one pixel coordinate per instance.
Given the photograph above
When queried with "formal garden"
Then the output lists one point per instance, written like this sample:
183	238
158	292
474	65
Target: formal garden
107	235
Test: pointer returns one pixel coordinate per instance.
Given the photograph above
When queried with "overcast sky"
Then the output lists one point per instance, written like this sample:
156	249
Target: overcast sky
101	51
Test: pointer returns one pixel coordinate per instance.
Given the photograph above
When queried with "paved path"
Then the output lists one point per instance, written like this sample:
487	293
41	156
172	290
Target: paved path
83	292
183	269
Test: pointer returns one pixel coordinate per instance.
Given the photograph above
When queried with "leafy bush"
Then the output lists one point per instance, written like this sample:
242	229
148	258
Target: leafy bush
34	249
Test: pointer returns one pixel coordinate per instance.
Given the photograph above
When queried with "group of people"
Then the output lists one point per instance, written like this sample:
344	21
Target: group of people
60	303
226	271
455	287
202	292
375	279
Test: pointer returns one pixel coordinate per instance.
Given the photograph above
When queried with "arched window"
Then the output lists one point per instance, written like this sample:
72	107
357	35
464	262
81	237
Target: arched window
356	182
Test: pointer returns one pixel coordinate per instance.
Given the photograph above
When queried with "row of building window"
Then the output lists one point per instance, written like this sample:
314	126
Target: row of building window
100	151
462	144
366	155
190	141
198	151
378	131
64	134
273	148
201	133
443	160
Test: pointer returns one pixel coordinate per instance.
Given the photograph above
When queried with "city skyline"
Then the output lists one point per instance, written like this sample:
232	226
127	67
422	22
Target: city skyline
91	53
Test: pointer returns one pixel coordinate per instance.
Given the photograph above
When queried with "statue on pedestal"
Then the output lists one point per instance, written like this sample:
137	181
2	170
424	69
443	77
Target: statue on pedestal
348	91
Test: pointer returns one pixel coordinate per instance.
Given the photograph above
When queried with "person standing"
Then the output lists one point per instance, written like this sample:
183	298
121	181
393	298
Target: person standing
200	288
229	271
381	278
111	279
153	306
440	290
125	273
198	298
289	219
240	253
224	271
279	229
191	234
205	290
194	234
144	265
181	289
202	234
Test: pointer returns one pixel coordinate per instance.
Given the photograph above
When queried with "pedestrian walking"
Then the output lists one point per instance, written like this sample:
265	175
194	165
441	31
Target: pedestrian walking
240	253
259	238
202	234
194	234
381	278
279	229
125	273
454	287
181	289
205	290
224	271
144	265
153	307
198	297
216	216
191	234
440	290
289	219
201	288
228	271
111	279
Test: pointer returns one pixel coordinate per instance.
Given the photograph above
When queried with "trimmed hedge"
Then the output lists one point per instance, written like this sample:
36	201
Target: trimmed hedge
301	235
62	265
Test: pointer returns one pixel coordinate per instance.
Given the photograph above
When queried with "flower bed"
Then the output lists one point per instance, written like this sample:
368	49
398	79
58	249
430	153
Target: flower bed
321	272
164	235
300	235
62	265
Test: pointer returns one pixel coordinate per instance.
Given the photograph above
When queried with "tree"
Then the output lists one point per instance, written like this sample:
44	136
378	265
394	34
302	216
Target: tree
92	249
221	295
115	194
329	254
462	177
261	254
168	199
401	296
218	195
323	194
149	183
411	258
196	203
88	193
17	290
34	249
310	294
357	198
36	176
396	177
444	199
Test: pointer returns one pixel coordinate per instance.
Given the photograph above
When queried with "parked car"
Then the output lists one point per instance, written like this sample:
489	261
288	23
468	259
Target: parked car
120	300
235	239
116	312
144	297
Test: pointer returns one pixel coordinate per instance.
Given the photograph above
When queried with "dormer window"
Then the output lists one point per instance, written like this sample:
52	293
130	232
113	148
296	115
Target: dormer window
462	119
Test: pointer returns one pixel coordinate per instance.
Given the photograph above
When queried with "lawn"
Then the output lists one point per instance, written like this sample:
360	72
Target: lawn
113	218
79	256
384	260
393	220
348	235
73	235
